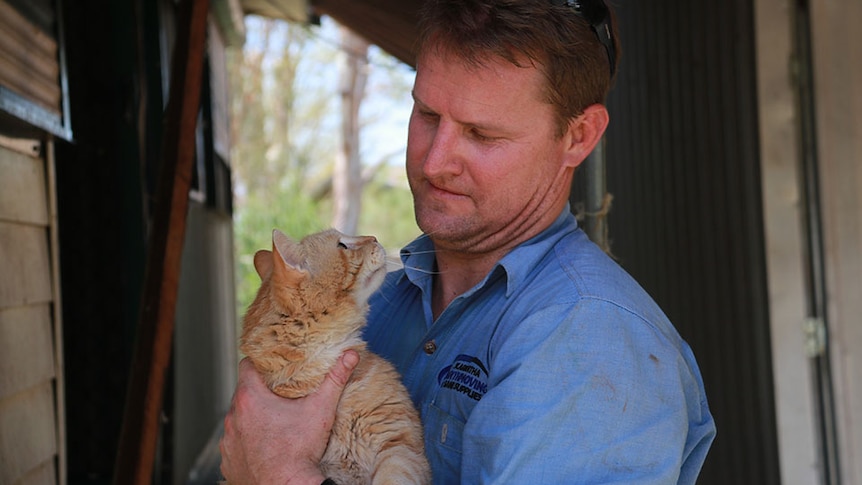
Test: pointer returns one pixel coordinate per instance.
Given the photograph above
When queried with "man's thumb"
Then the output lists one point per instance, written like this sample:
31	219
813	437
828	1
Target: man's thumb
343	368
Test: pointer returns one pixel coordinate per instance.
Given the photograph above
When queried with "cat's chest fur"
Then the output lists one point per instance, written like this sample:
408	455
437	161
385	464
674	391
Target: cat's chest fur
310	308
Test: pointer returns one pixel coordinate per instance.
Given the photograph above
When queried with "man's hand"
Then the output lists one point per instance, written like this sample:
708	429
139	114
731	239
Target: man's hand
271	440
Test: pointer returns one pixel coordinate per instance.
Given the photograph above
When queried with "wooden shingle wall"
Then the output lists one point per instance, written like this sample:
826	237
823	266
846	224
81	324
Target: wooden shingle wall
30	413
29	63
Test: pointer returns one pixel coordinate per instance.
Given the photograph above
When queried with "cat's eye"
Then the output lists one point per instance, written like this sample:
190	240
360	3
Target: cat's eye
342	245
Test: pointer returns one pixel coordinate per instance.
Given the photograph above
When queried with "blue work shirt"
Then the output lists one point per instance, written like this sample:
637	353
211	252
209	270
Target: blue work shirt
556	368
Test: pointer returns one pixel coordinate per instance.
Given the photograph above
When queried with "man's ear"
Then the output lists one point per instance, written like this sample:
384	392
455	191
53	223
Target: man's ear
584	133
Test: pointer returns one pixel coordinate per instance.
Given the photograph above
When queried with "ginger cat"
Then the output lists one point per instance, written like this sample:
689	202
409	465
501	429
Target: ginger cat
311	306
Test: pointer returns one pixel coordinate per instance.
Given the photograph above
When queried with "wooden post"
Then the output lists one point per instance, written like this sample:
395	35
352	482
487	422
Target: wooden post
139	434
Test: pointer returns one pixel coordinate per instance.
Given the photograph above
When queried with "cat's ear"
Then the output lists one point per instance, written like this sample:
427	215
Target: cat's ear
288	260
263	263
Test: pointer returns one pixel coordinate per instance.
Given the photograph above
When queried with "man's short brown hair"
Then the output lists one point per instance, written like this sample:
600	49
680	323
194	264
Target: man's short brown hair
553	38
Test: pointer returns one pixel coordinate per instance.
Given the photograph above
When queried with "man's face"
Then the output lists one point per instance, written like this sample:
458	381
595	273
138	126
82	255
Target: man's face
483	161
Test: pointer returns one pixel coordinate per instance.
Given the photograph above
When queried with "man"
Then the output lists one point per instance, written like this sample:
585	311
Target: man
532	357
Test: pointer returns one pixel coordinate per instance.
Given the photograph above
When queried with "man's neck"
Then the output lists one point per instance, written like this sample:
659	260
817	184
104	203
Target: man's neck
456	273
458	270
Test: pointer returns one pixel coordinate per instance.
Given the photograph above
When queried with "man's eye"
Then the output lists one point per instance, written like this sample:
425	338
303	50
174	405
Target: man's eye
429	116
478	135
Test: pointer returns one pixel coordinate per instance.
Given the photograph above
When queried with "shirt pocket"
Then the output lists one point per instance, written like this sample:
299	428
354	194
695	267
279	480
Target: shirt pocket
443	442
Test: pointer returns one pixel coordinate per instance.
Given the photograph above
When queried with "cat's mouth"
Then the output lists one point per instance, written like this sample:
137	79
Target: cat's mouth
375	279
370	284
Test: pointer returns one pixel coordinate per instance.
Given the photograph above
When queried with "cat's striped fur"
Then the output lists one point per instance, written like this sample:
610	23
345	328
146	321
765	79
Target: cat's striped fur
311	306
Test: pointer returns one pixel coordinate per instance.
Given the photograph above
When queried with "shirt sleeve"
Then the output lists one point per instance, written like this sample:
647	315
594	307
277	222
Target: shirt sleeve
590	394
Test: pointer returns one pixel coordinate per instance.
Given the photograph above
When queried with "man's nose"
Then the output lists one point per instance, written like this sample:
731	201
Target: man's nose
444	152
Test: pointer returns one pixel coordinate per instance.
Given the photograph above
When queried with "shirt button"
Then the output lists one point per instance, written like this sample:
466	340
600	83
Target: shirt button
430	347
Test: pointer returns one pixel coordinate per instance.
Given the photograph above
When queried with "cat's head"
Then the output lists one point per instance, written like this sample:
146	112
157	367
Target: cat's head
310	307
326	263
313	292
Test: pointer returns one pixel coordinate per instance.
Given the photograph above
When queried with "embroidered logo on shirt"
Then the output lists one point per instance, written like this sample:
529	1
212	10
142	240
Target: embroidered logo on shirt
466	375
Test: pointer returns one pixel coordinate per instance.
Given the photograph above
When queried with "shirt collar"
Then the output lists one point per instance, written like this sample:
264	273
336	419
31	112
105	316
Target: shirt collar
419	262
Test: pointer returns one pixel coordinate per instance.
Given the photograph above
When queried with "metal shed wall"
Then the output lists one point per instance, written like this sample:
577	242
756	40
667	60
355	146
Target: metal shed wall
686	221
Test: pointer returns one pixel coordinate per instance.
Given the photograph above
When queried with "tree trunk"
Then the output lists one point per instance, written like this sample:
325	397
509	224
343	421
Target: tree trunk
347	177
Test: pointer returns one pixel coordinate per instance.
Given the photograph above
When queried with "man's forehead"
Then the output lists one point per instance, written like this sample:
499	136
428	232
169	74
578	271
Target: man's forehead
495	96
446	72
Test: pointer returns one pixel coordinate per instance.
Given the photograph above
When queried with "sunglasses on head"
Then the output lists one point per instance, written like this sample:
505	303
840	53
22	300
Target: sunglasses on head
597	14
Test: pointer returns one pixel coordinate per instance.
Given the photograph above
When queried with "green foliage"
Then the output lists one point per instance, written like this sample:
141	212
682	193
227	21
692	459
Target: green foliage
292	213
388	213
272	157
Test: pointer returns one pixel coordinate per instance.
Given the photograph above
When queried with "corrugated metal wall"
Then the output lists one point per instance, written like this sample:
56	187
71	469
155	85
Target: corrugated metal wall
686	219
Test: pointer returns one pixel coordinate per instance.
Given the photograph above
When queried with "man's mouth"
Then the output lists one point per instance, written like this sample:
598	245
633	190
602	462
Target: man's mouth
442	191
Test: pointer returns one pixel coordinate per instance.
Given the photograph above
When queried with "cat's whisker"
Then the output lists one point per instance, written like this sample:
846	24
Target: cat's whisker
423	270
393	265
430	251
